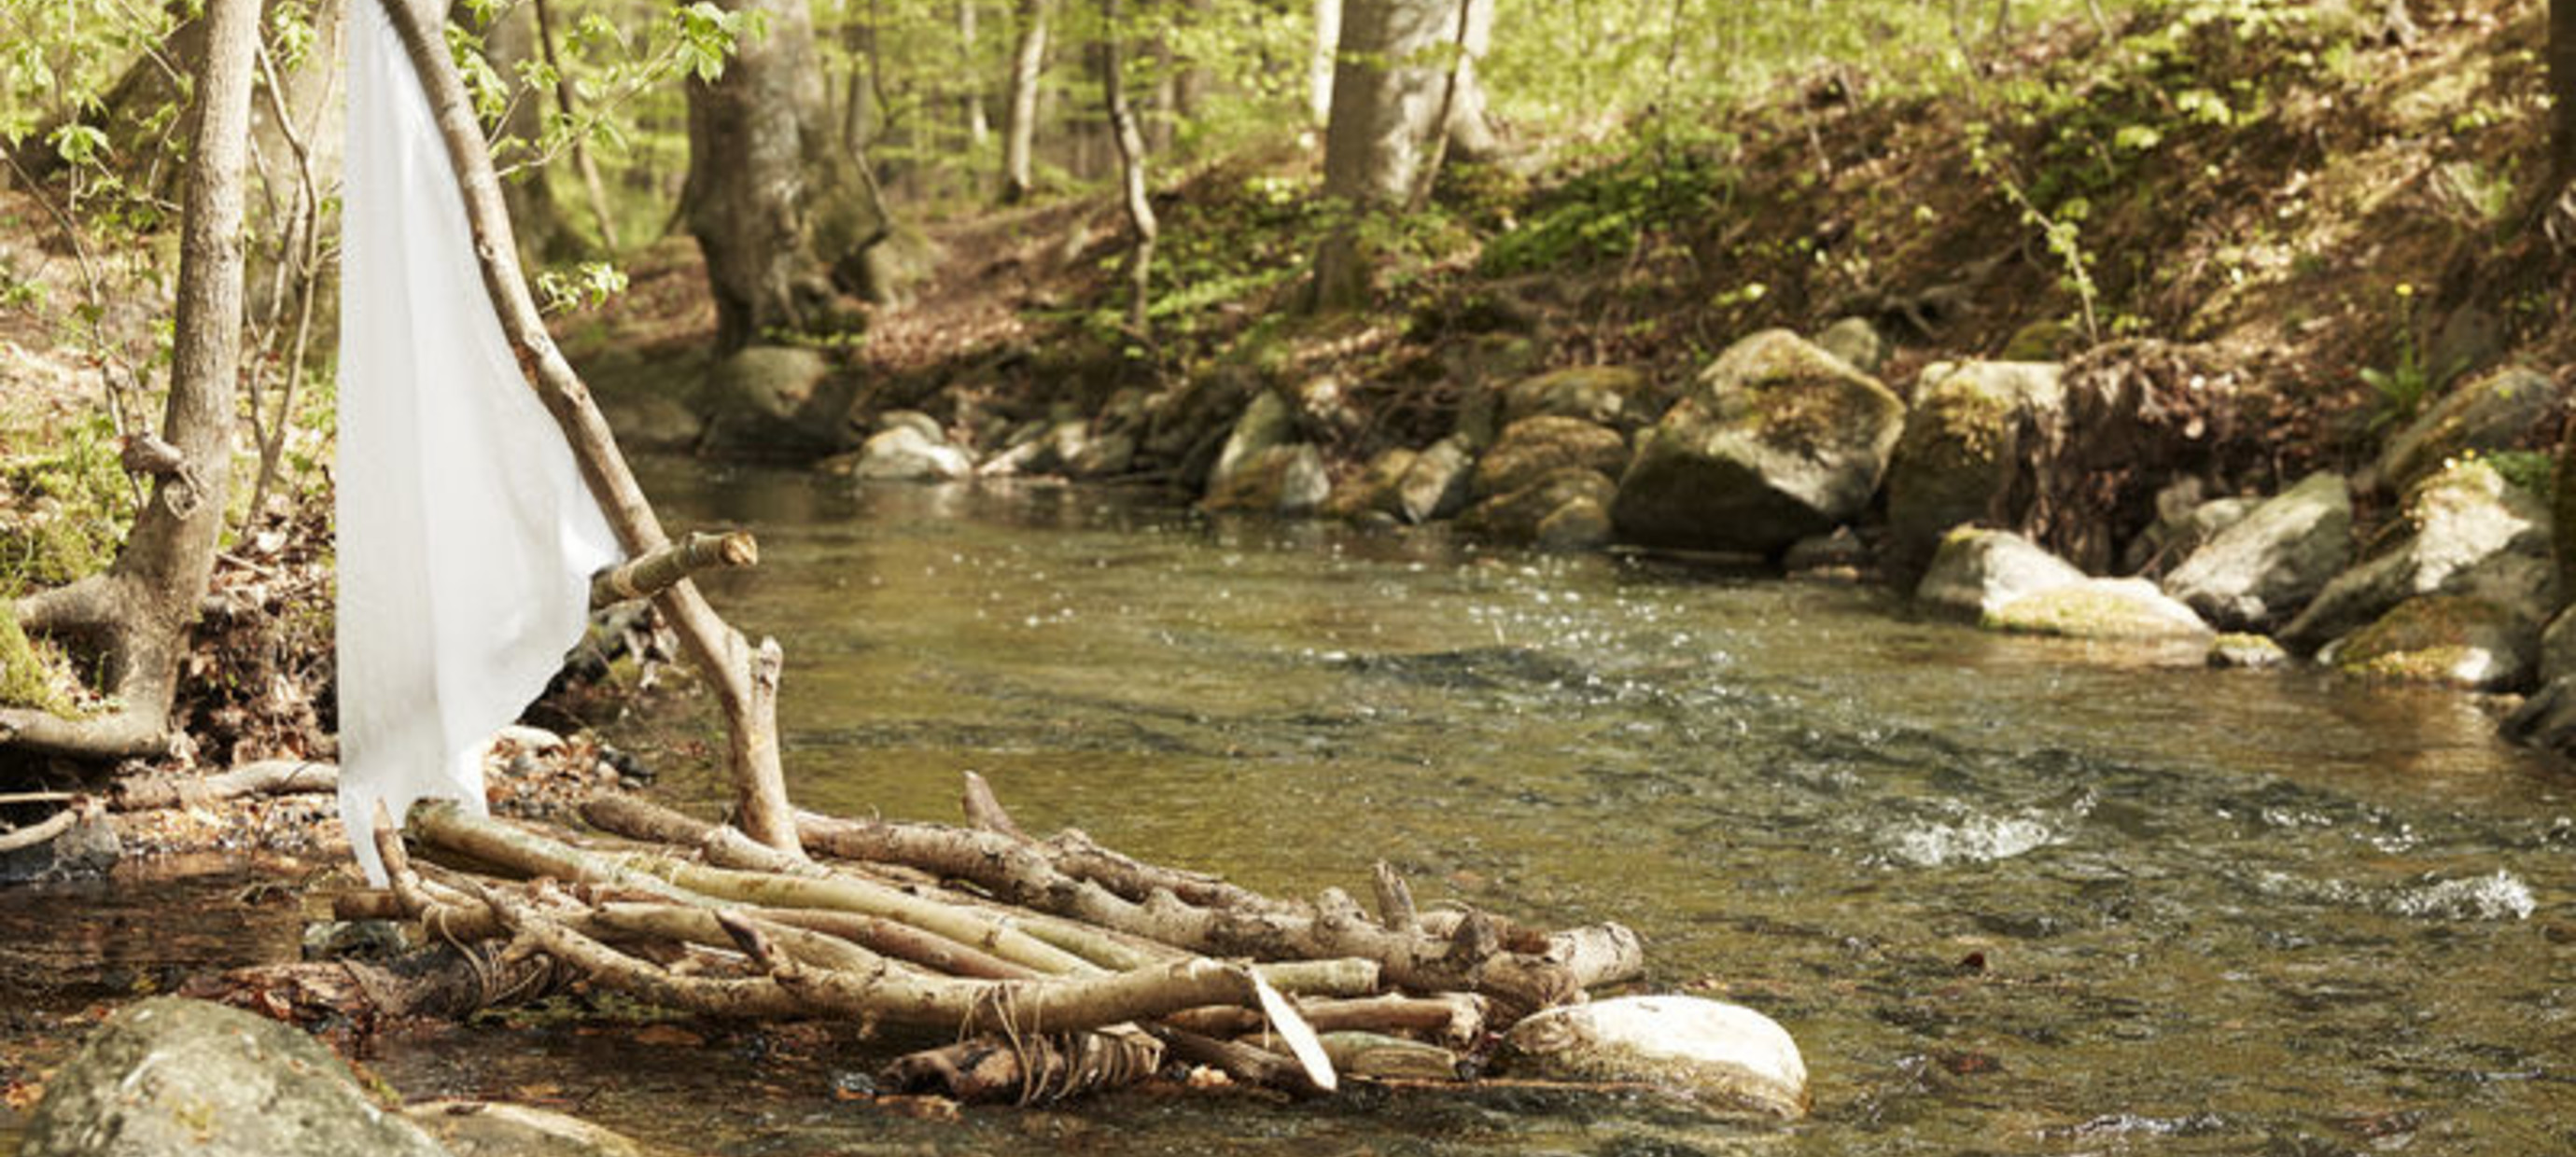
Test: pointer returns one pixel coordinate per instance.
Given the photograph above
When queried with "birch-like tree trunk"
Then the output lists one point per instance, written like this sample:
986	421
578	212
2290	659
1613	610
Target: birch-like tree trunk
1020	111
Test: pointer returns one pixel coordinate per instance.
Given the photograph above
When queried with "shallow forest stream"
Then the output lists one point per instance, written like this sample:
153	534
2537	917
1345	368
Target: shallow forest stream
2011	895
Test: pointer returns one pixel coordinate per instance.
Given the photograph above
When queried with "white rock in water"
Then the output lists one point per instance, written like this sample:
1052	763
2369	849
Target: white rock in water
1723	1054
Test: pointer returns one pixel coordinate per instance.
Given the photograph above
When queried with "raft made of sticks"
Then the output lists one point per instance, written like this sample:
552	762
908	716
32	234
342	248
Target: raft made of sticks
1059	967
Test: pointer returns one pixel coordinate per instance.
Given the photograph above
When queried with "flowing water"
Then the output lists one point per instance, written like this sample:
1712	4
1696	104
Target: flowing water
2010	895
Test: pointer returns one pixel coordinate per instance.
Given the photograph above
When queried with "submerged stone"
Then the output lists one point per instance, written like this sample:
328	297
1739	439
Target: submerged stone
1723	1055
496	1129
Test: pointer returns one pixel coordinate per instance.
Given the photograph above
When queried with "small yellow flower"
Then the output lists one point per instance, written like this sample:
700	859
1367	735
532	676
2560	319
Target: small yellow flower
2405	289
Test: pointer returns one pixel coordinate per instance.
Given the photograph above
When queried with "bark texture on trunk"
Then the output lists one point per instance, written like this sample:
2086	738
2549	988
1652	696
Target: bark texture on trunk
1391	84
777	203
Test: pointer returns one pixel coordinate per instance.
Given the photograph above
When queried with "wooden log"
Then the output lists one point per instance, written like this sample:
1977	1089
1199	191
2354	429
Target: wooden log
1265	930
266	777
1029	1070
661	568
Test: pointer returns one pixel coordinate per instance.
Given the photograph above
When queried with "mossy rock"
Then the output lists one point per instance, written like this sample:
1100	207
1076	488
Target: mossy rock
2098	609
1532	448
1777	441
2239	651
1961	447
1523	515
1374	488
2454	640
1604	395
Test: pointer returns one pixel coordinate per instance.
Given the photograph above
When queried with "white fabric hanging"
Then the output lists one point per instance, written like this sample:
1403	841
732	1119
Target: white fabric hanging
467	537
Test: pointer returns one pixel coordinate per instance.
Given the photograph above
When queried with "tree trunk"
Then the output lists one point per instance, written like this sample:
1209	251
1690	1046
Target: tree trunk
1388	93
142	607
777	204
1020	112
2562	90
1130	140
1404	88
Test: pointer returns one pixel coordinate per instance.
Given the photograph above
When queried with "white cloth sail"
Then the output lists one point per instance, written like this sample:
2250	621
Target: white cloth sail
466	534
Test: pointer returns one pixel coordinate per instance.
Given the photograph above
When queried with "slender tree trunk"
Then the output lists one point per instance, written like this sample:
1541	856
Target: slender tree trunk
1130	141
1319	72
581	160
145	603
970	98
2562	91
1020	112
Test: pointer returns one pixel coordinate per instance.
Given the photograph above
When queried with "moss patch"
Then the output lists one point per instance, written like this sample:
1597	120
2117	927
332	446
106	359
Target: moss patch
26	678
2095	610
2437	639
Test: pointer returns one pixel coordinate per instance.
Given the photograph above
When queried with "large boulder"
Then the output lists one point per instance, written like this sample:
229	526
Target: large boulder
2496	411
1602	395
1439	483
1961	447
904	454
2268	564
1977	571
1776	441
771	401
1532	448
173	1076
2466	531
1722	1055
2456	640
2099	608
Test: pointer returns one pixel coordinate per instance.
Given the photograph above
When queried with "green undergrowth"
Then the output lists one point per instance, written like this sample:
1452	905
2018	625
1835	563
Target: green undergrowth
62	509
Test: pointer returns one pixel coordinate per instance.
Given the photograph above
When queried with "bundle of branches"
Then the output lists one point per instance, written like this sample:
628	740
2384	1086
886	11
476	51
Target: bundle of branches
1056	967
